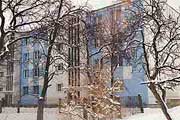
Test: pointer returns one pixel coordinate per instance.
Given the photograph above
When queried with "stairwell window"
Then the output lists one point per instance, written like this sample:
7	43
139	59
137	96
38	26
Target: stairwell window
26	41
36	55
60	66
59	87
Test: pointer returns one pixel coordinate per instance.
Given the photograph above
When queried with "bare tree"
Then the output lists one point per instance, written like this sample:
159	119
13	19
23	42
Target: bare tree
113	36
159	28
19	16
57	27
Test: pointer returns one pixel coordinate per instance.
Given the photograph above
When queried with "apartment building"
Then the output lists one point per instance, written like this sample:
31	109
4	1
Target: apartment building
111	21
67	60
33	61
9	74
32	69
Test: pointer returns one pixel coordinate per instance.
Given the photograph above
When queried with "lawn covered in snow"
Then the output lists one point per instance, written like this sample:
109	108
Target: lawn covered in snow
53	114
156	114
31	114
28	114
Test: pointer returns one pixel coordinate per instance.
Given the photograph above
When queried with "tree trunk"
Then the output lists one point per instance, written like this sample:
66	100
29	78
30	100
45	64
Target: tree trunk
0	106
163	105
18	107
40	110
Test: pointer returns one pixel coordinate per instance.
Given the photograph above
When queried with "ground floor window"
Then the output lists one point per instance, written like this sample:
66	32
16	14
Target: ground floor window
36	89
25	90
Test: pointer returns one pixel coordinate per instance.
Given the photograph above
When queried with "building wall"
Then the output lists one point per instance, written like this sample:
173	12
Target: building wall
114	19
53	94
9	68
16	73
77	81
2	79
27	77
57	86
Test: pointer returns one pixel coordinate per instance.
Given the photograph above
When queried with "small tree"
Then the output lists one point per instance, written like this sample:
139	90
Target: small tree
108	42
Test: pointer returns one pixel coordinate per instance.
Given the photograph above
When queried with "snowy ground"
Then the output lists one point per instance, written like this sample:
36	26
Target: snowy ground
30	114
156	114
53	114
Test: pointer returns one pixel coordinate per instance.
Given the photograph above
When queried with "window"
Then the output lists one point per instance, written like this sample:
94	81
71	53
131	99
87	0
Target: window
8	98
36	55
1	74
26	56
36	71
25	90
59	87
1	89
60	47
9	83
35	89
26	73
26	41
78	94
60	66
10	68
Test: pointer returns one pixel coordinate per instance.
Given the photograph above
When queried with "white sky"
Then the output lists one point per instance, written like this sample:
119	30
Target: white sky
102	3
175	4
95	3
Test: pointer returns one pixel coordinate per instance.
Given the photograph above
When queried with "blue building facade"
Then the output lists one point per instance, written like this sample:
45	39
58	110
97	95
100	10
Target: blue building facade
33	60
110	21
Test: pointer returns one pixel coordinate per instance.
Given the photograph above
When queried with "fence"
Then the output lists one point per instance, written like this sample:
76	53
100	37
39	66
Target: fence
131	105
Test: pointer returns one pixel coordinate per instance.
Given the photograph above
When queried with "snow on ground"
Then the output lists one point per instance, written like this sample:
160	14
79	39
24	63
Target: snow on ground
156	114
31	114
28	114
53	114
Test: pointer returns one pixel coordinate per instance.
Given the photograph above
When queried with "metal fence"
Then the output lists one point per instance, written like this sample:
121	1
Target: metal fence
131	105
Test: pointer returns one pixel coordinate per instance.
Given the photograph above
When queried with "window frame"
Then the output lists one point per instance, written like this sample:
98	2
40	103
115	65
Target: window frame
26	73
25	90
36	72
60	67
36	89
26	56
59	87
1	74
36	55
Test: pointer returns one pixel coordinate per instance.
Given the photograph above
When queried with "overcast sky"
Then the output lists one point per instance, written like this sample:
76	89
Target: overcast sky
101	3
95	3
175	4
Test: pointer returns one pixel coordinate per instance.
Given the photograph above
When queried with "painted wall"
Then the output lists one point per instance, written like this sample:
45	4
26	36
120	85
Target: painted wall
28	62
131	74
53	94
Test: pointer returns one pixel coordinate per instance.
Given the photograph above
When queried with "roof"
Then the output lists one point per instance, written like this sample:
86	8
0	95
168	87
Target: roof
110	6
